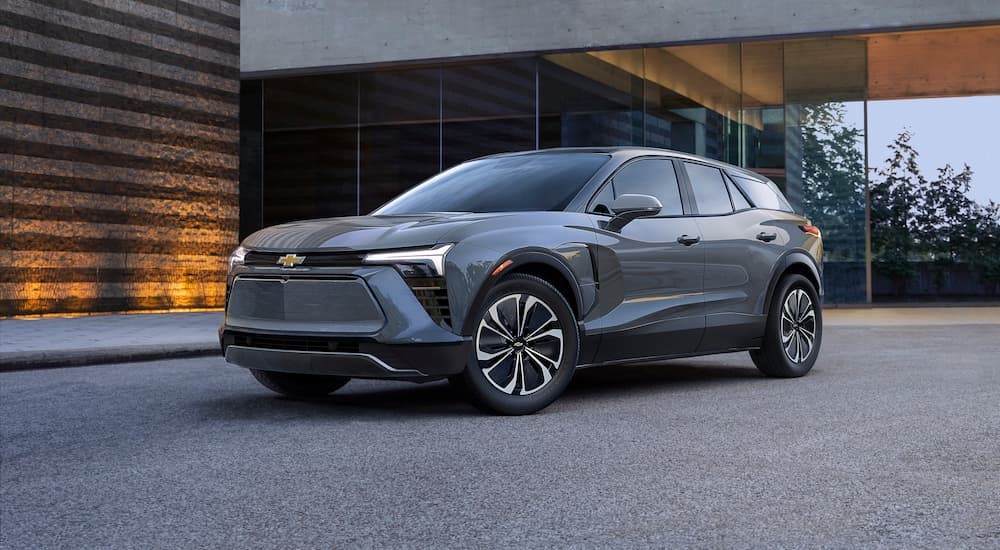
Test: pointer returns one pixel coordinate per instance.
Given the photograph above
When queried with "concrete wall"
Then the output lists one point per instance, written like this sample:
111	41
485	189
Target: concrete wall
302	35
119	153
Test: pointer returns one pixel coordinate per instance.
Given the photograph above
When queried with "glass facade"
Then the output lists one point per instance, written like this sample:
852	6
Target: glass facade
794	110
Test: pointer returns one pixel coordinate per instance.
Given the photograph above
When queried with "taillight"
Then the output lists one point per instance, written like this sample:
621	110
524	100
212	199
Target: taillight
811	229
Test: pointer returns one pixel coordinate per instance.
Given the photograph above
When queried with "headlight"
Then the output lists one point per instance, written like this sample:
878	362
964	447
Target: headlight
423	262
237	257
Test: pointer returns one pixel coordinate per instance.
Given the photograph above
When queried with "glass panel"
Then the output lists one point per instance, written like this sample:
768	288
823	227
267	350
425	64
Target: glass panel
824	154
590	99
763	194
692	99
710	194
763	139
740	201
654	177
310	148
400	132
251	149
934	213
488	108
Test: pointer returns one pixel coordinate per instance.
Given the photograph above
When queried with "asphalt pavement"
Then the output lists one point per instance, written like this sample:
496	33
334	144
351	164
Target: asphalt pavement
892	440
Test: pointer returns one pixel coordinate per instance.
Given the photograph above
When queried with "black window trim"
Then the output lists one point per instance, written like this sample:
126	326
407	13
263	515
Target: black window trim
686	199
694	202
731	184
762	182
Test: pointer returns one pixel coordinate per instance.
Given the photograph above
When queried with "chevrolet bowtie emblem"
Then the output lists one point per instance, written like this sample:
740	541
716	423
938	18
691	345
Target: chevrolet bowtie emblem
290	260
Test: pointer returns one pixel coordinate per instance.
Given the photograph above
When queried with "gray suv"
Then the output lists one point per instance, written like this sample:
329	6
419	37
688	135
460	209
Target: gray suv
506	273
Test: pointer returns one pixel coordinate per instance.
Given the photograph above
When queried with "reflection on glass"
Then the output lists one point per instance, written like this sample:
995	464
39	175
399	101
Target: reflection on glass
487	108
590	99
763	139
400	132
826	182
310	148
824	154
692	99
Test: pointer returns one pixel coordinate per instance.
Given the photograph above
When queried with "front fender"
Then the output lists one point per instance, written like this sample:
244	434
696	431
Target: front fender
470	265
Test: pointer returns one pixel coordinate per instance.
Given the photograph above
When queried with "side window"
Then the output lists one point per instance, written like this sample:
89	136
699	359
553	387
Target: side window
763	194
709	189
739	201
654	177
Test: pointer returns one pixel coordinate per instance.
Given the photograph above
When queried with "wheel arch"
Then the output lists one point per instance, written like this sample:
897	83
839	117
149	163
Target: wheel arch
541	264
795	262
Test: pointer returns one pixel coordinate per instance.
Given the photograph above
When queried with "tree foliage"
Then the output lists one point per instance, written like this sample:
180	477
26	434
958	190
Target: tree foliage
913	218
833	179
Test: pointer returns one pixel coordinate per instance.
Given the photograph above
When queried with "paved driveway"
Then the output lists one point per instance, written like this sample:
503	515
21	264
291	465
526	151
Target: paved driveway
894	438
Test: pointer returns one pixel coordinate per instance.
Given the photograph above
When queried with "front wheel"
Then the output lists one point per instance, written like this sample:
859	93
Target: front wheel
525	347
299	386
794	330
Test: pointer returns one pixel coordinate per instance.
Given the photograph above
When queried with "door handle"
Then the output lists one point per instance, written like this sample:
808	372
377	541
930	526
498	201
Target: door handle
766	237
688	240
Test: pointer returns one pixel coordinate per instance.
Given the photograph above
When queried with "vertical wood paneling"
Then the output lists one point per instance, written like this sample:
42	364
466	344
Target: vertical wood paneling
118	154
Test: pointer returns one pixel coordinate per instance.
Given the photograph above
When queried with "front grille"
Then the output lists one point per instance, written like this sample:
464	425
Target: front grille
292	343
433	295
315	259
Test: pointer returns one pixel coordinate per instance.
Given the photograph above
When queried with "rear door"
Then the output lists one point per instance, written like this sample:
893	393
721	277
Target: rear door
740	250
658	307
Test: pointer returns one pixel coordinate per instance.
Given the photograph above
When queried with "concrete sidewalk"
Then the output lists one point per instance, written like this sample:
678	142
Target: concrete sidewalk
46	342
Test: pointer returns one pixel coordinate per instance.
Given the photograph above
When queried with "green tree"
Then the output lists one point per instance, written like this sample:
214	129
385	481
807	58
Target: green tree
895	197
945	217
833	179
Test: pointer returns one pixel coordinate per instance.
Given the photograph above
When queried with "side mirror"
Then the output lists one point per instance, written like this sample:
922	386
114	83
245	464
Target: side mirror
630	207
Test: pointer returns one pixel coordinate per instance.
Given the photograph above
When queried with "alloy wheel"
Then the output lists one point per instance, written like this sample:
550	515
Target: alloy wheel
519	344
798	325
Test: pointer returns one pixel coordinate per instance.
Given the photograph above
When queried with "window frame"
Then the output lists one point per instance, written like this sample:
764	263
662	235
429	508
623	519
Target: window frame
755	205
694	202
682	188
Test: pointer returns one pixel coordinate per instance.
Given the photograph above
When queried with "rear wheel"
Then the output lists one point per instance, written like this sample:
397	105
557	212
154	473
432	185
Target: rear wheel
794	330
525	347
299	386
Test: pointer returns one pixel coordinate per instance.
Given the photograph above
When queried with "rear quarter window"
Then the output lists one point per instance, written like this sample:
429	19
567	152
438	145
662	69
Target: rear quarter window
763	194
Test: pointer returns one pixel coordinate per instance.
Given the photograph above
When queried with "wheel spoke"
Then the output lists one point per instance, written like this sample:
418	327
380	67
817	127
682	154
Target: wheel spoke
522	322
538	355
490	369
498	331
486	356
786	319
809	314
518	373
546	371
494	316
554	333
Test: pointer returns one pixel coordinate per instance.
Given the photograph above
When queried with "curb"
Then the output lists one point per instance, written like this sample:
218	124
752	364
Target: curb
52	359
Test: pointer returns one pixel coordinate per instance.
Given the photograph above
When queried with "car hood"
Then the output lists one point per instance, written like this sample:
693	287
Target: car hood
363	232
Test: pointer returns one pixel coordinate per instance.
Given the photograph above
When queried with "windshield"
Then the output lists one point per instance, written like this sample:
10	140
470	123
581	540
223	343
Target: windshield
501	184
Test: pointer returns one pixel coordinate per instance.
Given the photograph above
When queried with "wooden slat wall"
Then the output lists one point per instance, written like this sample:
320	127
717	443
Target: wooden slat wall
119	152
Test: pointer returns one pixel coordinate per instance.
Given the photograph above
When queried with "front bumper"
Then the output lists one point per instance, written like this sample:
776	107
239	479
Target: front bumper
415	362
357	322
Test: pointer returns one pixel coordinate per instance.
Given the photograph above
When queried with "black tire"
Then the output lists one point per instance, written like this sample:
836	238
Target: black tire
299	386
772	358
556	339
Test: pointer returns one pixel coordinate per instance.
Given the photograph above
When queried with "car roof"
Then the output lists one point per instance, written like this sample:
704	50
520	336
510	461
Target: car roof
628	152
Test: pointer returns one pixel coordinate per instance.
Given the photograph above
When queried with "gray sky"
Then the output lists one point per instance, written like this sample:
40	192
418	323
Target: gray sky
945	130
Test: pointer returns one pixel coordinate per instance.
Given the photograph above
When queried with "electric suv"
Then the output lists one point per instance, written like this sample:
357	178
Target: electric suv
506	273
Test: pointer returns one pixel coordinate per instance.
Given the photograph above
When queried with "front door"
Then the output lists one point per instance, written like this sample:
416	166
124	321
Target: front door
658	308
